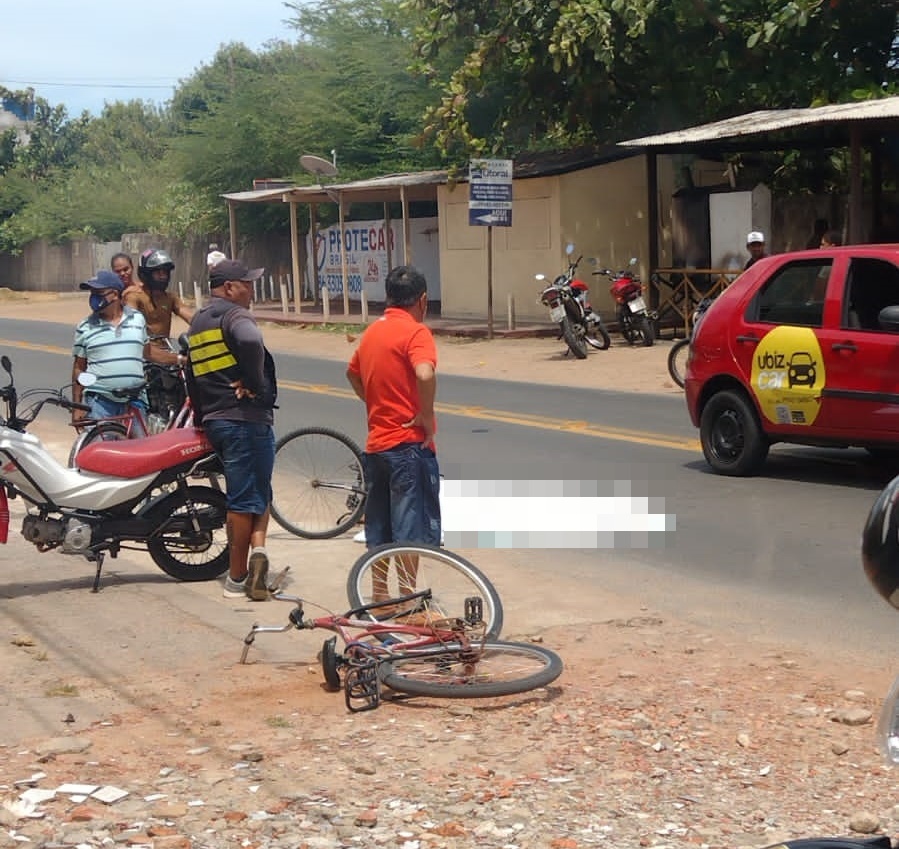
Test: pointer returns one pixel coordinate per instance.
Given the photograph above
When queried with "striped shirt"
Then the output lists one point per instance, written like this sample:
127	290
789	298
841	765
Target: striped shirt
114	353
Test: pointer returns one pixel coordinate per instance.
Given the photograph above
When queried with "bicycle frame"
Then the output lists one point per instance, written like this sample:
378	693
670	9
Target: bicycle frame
371	642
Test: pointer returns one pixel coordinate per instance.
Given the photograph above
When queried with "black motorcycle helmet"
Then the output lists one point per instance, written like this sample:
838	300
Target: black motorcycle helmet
880	543
151	260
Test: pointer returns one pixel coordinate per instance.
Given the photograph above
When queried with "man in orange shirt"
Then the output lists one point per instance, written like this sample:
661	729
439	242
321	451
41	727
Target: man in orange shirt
394	372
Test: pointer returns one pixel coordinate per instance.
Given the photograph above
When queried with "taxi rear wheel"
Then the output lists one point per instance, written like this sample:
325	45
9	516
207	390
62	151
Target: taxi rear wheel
732	439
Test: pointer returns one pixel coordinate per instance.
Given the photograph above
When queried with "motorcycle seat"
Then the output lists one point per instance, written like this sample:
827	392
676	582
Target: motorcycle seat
134	458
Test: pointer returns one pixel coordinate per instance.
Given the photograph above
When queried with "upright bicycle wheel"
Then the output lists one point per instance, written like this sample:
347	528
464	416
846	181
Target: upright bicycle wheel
677	361
103	432
391	571
318	486
474	672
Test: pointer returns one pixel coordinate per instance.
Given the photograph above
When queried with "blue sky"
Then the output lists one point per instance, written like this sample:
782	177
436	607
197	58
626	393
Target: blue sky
105	50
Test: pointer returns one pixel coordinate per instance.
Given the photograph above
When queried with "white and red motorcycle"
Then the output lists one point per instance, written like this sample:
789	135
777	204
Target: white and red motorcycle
122	495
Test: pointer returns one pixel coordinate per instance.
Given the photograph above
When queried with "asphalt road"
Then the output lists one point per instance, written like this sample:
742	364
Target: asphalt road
778	552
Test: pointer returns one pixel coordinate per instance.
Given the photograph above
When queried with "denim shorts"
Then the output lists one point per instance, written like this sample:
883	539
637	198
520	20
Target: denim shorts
107	408
403	500
247	451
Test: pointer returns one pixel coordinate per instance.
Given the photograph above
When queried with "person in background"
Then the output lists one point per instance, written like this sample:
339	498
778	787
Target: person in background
111	344
818	231
153	300
832	239
213	258
232	386
755	244
123	266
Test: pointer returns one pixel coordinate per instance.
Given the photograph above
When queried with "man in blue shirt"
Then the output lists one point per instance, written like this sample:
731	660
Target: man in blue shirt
111	343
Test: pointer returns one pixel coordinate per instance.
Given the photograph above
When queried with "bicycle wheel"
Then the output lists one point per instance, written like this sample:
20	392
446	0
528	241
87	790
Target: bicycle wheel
318	486
677	361
390	571
102	432
477	671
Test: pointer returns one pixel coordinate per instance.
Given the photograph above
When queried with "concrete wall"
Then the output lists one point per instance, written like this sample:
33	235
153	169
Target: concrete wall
43	267
601	210
604	214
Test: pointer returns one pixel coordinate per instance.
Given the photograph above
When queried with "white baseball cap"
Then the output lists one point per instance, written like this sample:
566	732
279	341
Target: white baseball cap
755	236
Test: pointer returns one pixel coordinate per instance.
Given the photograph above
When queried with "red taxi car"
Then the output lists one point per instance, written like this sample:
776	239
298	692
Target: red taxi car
802	347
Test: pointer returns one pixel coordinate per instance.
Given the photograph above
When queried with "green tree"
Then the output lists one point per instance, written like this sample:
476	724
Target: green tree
557	72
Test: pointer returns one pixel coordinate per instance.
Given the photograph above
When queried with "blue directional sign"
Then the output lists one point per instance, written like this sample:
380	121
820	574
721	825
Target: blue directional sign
490	192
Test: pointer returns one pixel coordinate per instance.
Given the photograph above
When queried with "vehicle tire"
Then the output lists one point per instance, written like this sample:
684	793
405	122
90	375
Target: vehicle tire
476	671
600	338
105	431
677	361
318	485
177	547
450	577
625	327
645	334
574	340
732	439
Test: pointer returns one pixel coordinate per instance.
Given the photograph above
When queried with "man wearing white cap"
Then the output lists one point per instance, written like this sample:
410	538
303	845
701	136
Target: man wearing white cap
755	244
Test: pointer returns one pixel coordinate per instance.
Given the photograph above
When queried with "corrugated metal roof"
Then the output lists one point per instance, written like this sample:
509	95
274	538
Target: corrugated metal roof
770	120
255	196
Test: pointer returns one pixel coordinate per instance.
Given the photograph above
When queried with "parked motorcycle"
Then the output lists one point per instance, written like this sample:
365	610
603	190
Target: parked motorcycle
132	494
635	320
567	299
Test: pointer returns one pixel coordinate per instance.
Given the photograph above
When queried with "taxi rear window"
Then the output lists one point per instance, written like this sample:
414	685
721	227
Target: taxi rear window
794	295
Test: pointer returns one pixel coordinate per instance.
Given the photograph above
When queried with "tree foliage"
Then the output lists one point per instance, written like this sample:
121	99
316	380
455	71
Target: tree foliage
557	72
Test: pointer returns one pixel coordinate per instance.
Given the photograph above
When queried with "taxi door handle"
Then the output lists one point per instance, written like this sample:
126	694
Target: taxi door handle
843	346
749	338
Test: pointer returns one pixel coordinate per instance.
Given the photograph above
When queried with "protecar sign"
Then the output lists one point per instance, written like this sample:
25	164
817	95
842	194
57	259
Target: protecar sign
490	192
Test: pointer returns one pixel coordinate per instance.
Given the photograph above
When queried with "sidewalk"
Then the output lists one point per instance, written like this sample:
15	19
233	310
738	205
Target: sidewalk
471	328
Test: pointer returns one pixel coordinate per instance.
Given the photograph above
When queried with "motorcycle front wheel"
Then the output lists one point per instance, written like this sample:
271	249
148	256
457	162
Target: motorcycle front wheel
573	339
189	541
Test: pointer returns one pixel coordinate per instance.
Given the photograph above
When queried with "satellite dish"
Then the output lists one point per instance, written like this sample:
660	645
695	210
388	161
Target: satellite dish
318	166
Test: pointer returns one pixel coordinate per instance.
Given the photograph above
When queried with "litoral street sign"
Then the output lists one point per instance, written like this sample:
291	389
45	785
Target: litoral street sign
490	192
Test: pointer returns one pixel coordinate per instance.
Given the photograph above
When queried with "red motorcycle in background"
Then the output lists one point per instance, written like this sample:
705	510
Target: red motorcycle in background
567	299
634	319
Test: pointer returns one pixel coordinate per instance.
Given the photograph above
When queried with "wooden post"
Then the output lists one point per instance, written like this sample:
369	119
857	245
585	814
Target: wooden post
364	301
344	282
232	227
388	232
510	311
297	275
326	305
313	230
407	229
285	298
856	233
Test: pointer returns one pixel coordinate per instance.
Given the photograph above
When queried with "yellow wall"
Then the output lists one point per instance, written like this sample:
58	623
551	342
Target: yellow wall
601	210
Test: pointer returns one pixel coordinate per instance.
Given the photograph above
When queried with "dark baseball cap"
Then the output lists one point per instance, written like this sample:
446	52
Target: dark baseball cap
232	269
103	280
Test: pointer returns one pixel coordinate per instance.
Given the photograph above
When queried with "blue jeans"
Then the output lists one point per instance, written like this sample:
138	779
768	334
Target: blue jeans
403	500
106	408
247	451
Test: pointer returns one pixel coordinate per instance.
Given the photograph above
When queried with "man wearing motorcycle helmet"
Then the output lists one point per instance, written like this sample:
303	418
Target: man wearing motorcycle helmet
154	301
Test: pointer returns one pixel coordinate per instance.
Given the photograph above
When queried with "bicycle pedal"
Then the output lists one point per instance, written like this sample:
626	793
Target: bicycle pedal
362	687
276	583
474	610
